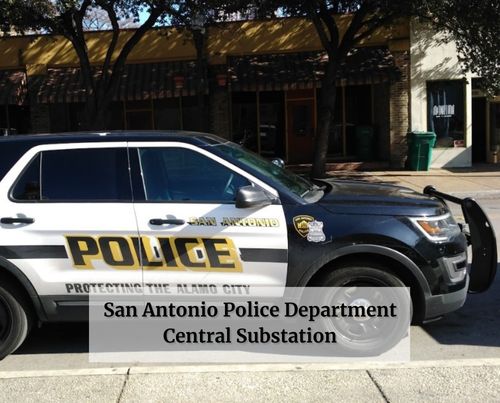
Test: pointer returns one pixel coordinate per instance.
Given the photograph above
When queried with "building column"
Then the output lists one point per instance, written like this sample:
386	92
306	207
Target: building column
399	110
220	119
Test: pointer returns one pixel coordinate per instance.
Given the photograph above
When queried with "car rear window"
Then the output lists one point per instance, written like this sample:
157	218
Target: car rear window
99	174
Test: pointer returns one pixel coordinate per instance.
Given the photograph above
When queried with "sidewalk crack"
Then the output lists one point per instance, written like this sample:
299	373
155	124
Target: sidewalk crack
127	375
379	388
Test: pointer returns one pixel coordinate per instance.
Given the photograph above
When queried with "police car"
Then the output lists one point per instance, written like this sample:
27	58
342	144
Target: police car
122	210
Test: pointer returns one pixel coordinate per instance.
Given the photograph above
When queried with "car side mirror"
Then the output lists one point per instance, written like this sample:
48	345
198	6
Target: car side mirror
278	162
251	196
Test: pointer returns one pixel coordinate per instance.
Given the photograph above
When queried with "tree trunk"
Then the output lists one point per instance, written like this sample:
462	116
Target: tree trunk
96	112
326	110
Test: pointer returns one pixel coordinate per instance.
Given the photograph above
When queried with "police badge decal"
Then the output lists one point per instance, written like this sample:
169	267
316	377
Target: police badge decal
316	233
301	224
307	227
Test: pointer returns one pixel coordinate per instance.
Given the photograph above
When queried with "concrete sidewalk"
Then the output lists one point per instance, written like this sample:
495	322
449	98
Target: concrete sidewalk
449	381
474	182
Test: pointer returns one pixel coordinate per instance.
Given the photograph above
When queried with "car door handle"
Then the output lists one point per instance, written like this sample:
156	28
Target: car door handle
162	221
17	220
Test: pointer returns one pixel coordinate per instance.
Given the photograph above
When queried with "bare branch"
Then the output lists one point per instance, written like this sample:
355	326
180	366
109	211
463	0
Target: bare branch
114	39
320	29
329	20
129	45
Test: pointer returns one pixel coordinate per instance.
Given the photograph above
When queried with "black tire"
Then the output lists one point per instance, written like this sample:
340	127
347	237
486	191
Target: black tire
15	319
357	277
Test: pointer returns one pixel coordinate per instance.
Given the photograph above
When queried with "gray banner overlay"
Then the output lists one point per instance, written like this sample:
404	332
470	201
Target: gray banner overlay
301	325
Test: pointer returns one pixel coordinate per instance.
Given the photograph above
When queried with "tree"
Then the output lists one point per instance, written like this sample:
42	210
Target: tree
97	19
366	17
196	17
68	18
474	25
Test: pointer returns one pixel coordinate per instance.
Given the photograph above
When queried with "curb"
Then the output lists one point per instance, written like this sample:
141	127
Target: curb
184	369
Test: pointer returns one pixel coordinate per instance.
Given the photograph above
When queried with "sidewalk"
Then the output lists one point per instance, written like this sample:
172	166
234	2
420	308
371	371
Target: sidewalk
481	182
446	381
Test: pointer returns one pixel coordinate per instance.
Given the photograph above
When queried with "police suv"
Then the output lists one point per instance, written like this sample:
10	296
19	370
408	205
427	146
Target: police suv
112	211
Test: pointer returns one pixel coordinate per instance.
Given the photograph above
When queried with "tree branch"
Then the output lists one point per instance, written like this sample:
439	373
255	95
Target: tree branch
114	39
329	20
71	32
155	13
354	27
371	26
320	29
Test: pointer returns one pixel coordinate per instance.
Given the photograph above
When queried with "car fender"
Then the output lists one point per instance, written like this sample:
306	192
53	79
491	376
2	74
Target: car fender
371	249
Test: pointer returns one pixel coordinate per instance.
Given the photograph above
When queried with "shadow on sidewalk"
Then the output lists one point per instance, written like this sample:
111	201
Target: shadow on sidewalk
57	338
477	323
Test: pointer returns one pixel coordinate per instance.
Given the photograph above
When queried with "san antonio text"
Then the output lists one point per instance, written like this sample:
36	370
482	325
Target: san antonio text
248	310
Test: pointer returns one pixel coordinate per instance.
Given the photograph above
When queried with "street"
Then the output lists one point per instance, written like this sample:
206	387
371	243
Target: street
470	333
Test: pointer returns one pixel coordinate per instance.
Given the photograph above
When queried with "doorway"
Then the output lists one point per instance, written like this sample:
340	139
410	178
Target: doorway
479	129
494	130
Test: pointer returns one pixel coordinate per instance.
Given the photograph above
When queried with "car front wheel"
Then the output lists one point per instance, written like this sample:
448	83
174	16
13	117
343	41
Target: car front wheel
14	319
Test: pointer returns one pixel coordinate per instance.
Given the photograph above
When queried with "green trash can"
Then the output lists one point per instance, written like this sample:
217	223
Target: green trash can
420	145
365	143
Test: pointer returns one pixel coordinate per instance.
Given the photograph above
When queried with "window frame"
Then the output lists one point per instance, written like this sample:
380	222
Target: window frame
20	167
134	149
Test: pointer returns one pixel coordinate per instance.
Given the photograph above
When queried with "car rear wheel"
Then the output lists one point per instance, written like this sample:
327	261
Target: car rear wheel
14	319
356	285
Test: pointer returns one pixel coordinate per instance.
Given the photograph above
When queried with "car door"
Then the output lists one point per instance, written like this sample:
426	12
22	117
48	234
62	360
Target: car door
67	219
191	231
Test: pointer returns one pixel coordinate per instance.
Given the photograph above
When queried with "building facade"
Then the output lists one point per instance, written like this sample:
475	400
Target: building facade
262	91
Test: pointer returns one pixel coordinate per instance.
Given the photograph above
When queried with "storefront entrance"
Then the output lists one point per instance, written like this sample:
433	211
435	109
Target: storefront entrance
479	129
494	130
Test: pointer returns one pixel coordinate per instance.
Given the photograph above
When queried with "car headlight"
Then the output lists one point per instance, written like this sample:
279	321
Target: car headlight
438	229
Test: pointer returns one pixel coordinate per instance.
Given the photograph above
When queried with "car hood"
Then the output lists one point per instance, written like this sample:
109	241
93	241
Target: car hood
359	197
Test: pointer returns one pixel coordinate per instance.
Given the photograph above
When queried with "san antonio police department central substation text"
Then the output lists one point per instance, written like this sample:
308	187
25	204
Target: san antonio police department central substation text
248	310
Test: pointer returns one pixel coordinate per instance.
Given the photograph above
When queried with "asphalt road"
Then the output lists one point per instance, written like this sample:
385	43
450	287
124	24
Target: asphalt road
471	332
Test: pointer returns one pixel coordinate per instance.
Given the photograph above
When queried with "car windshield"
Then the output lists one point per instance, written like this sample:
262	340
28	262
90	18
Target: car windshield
295	183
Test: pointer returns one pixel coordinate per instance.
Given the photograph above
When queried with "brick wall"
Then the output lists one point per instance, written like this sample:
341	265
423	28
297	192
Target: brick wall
399	110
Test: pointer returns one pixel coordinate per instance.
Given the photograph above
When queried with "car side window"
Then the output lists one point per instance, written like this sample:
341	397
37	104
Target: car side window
181	174
98	174
27	186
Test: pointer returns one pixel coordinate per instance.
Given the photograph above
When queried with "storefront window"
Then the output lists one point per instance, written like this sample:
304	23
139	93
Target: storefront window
115	117
191	114
445	110
167	114
353	107
15	118
358	104
244	114
271	120
139	115
66	117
